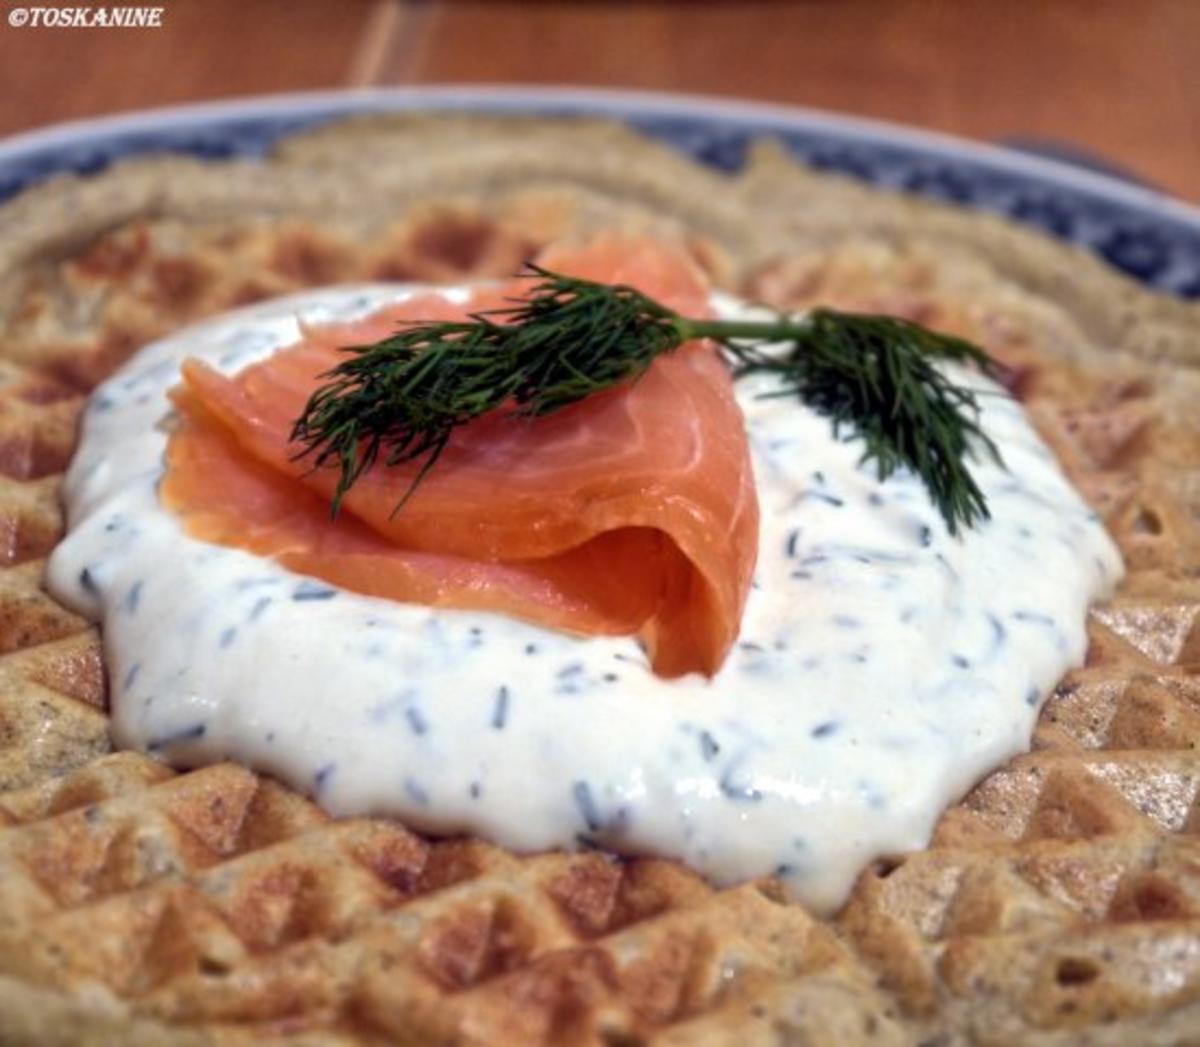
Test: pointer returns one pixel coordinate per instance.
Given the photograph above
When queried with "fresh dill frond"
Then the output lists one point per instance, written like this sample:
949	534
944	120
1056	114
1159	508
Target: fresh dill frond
876	377
403	397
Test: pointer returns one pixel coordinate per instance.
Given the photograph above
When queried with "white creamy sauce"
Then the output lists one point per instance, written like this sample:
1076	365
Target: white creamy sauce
883	666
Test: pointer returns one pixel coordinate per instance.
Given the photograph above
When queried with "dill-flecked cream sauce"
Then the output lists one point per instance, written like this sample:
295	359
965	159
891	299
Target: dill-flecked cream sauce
883	666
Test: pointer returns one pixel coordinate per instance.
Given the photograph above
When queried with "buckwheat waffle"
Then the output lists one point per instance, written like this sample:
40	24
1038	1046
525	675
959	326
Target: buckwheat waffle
1058	902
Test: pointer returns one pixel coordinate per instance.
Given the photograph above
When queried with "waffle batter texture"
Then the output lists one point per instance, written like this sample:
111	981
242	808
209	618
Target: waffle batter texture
1059	902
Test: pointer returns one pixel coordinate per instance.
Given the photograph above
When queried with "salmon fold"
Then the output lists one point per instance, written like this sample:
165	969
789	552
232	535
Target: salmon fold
631	512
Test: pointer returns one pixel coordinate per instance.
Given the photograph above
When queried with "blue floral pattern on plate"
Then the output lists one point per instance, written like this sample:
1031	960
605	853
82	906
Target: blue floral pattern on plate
1139	238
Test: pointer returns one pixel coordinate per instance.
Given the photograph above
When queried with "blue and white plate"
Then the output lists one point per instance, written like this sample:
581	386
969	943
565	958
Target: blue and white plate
1150	236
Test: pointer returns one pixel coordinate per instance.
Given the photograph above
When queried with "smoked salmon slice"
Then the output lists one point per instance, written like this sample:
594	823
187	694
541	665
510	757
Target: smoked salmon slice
633	511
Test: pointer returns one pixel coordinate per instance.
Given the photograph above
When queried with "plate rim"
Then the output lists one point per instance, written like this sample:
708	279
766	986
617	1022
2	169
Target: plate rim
611	101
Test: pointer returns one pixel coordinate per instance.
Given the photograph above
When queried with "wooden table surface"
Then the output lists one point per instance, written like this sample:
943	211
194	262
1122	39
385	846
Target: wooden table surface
1117	77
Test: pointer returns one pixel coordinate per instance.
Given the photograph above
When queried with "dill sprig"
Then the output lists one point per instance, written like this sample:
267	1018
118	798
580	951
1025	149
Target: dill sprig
877	376
401	399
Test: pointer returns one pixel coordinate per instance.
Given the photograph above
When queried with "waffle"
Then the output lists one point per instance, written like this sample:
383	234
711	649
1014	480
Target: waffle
1058	902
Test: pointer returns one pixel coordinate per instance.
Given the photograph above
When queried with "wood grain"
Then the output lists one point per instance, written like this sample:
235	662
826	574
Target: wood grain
1113	76
203	50
1117	77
